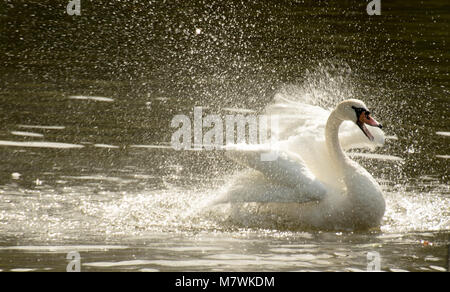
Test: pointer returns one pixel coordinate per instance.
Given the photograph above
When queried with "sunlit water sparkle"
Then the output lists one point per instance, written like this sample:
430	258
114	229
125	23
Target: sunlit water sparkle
84	133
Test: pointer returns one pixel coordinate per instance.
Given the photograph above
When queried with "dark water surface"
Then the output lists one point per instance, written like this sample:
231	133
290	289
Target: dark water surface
85	109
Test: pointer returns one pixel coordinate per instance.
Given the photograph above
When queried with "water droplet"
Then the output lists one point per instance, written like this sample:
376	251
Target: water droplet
16	175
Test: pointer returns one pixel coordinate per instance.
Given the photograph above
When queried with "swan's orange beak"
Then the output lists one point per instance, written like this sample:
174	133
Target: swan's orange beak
365	118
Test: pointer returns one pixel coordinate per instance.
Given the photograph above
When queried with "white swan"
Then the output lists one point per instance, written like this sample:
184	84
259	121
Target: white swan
312	183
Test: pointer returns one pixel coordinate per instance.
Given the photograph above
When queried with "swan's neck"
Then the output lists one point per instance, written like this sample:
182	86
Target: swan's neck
364	194
337	155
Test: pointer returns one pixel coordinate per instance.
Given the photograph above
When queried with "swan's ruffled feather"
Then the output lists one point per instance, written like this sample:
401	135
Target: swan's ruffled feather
306	120
287	171
302	186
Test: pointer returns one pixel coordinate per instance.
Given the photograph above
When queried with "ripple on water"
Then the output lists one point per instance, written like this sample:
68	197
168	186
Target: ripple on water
63	249
117	264
55	145
27	134
41	127
152	146
192	248
106	146
394	270
443	156
148	270
439	269
94	98
441	133
22	270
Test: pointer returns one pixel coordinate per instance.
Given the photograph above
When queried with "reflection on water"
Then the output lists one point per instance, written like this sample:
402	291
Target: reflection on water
95	98
28	134
443	156
85	127
40	144
153	220
42	127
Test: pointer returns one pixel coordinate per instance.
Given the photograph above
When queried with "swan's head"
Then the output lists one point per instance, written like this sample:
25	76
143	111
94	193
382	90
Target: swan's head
356	111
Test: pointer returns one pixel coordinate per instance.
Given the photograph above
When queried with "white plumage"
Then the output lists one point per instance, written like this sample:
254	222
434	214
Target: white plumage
312	183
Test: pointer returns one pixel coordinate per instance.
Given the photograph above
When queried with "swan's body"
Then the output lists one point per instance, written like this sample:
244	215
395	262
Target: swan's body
312	183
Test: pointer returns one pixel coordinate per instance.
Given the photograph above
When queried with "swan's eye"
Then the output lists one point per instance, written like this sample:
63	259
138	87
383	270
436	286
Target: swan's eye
358	111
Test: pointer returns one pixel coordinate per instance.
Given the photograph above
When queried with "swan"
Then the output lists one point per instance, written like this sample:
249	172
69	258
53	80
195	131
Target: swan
312	183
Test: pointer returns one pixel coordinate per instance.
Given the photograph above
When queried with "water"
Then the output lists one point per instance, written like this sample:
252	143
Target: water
86	105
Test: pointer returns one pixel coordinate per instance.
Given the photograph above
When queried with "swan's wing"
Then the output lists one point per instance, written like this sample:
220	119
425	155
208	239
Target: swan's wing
307	120
252	187
286	170
295	118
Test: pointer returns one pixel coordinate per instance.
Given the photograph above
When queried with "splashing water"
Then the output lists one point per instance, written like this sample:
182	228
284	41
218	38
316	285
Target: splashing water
86	163
64	209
